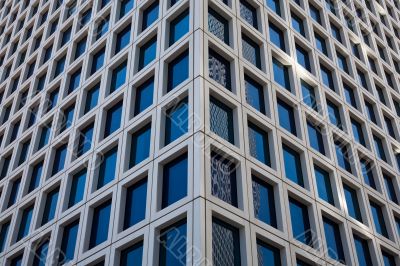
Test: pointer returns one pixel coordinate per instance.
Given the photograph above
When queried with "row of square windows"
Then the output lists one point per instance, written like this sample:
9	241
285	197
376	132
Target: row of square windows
224	186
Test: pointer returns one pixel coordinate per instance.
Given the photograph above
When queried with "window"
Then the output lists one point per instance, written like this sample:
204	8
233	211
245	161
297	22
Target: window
25	223
286	117
362	79
251	51
68	242
267	254
47	53
135	204
98	61
85	18
258	142
275	6
342	155
277	37
315	137
380	151
389	126
50	206
147	53
24	152
372	65
292	164
107	167
324	185
80	48
14	192
219	69
223	179
298	24
5	227
150	15
74	80
302	58
174	182
281	74
370	112
66	36
321	44
85	140
300	221
350	96
176	121
100	224
35	176
6	164
334	114
132	255
221	120
60	64
144	96
40	255
178	70
14	131
327	77
17	261
126	6
315	14
342	62
77	189
336	33
169	248
113	119
102	27
351	198
362	250
309	97
254	94
218	26
179	27
225	243
92	97
123	37
357	132
118	77
333	240
248	13
388	259
140	147
381	94
59	159
390	188
367	172
379	220
264	202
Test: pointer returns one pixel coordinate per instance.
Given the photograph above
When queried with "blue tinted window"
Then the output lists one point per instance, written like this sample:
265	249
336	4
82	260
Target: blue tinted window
17	261
59	67
179	27
357	132
221	120
258	142
334	114
321	44
100	224
74	80
362	79
362	250
292	165
315	14
251	51
219	69
297	24
380	151
349	95
47	54
98	60
50	206
135	205
59	159
14	132
144	96
77	188
302	57
132	255
342	62
140	147
218	25
66	36
277	37
336	33
309	97
148	53
126	6
390	190
113	119
80	48
68	242
25	223
254	94
92	97
107	167
333	240
264	202
315	137
4	235
275	5
342	156
35	177
223	179
225	243
353	207
150	15
85	18
248	13
174	185
176	121
367	172
14	192
178	70
379	220
123	38
286	117
324	185
327	77
388	259
268	255
67	118
370	112
118	77
102	27
173	242
52	102
85	140
281	74
301	229
40	257
5	166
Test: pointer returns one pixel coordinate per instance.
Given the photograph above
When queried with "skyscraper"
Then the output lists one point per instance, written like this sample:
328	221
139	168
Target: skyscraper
199	132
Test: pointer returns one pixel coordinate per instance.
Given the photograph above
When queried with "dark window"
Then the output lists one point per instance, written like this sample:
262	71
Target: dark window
118	77
286	117
4	168
321	44
333	240
251	51
362	250
173	244
59	159
60	64
362	79
315	14
248	13
315	137
342	62
357	132
135	204
77	188
132	255
35	176
147	53
85	140
390	189
14	192
107	167
140	147
5	227
179	27
281	74
380	151
74	80
324	185
175	179
25	223
379	220
350	96
144	96
268	255
80	48
389	127
343	155
85	18
98	61
123	37
221	120
336	33
327	77
126	6
68	242
218	26
258	144
275	5
301	228
254	94
113	119
176	121
298	24
309	97
50	206
150	15
388	259
334	114
40	255
277	37
66	36
17	261
67	117
264	202
100	224
303	58
370	112
178	70
292	164
367	172
225	243
219	69
92	97
353	207
102	27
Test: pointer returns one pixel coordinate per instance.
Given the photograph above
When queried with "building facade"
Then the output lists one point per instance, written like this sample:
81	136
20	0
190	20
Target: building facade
199	132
